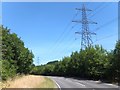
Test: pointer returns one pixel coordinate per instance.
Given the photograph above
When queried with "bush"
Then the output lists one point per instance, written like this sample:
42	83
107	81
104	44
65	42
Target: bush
8	70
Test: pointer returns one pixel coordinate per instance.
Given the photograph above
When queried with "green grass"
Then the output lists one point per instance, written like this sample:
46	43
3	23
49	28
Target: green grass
48	83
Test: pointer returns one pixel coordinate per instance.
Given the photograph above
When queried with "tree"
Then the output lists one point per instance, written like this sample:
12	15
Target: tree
8	69
14	54
115	63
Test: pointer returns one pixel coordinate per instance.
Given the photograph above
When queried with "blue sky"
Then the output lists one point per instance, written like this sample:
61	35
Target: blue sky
46	28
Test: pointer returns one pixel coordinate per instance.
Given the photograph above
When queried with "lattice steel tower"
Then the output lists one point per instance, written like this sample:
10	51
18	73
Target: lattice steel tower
86	38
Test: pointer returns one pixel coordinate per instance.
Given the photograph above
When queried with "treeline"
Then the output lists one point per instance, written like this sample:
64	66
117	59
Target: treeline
16	58
92	63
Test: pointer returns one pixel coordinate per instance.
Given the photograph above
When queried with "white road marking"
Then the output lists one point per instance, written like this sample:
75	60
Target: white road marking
82	84
79	83
57	84
111	85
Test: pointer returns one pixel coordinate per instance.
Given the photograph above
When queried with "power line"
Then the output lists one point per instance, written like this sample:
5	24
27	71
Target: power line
38	60
62	34
77	13
109	36
59	45
98	7
67	46
106	24
71	42
103	24
86	39
69	24
94	10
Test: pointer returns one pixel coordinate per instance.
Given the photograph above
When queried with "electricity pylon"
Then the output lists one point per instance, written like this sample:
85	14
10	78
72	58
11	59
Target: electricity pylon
86	39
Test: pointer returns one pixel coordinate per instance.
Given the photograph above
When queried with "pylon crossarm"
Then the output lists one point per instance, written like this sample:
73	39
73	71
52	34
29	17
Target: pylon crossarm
82	9
86	35
78	33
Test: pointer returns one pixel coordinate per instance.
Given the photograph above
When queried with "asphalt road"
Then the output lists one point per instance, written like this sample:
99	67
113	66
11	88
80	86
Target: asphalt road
71	83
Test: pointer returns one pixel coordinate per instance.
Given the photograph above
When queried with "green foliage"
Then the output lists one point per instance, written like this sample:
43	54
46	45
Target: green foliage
92	63
88	63
52	62
16	58
47	69
114	69
8	69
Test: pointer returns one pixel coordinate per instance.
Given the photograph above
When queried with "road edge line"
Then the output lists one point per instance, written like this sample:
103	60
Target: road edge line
55	83
110	84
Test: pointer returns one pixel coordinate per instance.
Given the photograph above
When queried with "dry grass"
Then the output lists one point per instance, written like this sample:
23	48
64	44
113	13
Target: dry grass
30	81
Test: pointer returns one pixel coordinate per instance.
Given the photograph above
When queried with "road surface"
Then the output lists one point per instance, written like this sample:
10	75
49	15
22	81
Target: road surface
71	83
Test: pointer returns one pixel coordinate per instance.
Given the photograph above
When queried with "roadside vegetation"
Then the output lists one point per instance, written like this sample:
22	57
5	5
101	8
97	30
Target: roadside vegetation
16	58
17	63
91	63
30	81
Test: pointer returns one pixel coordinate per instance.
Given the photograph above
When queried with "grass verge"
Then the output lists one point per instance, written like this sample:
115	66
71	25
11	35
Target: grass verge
48	83
29	81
